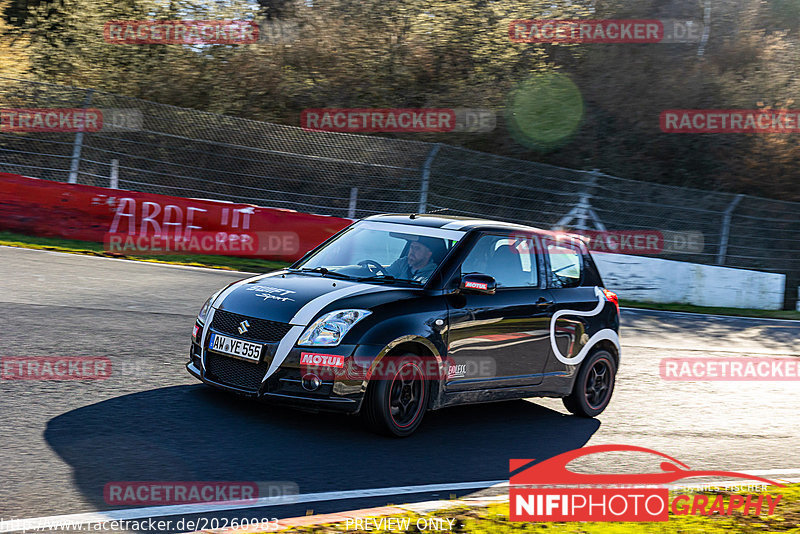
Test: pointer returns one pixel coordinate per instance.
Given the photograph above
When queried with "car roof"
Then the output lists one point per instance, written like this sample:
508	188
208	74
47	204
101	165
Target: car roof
464	224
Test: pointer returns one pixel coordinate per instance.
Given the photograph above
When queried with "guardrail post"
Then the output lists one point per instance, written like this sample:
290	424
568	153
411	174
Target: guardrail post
706	28
76	148
114	178
426	179
351	211
726	229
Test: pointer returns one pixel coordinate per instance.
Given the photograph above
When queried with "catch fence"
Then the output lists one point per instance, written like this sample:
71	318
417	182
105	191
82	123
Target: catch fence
157	148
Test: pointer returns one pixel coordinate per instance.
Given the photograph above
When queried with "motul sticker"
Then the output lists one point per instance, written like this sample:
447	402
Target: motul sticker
476	285
322	360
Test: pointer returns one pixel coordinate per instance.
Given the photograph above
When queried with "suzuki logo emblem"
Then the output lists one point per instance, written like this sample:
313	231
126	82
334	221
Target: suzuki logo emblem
243	326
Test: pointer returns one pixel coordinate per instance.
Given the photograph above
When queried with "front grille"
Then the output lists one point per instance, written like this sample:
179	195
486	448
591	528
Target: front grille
259	330
235	372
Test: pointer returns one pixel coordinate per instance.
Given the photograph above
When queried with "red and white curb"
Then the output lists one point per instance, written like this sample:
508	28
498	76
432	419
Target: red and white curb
77	521
428	507
354	515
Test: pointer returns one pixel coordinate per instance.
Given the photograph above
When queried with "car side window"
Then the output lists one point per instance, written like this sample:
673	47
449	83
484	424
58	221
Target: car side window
511	261
565	265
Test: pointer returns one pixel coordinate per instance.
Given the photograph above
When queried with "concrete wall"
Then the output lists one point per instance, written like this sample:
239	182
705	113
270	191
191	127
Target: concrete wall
656	280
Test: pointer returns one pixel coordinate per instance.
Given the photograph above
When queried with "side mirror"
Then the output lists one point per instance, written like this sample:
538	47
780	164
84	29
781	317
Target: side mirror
478	283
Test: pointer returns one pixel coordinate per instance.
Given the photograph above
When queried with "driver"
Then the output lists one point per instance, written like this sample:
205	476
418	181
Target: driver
417	265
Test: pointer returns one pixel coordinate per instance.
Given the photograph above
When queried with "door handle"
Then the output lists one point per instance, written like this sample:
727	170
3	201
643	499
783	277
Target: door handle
544	302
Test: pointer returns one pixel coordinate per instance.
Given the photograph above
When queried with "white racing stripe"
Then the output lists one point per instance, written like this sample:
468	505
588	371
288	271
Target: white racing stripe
204	337
222	296
301	319
314	306
219	299
284	347
457	225
310	310
605	333
39	523
445	232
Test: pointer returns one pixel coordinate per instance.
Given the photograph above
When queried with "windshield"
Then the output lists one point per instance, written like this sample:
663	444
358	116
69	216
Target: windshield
383	252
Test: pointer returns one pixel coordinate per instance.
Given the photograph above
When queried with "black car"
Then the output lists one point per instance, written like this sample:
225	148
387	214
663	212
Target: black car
399	314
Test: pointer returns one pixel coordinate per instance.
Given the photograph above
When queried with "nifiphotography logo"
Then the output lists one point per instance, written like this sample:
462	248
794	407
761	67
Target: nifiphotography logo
548	491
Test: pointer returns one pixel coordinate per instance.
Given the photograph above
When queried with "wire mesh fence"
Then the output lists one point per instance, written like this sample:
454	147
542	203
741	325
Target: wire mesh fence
169	150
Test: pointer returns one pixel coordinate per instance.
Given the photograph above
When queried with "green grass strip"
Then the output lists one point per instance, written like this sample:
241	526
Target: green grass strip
57	244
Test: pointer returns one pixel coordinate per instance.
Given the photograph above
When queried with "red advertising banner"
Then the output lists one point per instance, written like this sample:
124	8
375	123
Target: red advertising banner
134	223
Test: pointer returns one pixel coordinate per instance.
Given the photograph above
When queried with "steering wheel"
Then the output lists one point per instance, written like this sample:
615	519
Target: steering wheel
378	268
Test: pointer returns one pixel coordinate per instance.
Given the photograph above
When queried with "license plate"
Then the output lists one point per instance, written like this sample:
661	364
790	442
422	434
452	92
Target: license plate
235	347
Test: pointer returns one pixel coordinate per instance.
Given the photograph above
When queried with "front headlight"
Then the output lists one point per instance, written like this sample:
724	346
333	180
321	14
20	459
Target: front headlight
201	317
328	330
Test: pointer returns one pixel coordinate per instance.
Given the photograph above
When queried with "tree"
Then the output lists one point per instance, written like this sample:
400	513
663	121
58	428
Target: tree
14	60
67	46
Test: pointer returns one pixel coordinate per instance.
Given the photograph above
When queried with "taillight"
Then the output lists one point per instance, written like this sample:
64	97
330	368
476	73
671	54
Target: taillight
612	297
194	331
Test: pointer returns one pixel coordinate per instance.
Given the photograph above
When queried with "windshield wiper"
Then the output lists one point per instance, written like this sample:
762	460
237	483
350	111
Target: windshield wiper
386	278
324	272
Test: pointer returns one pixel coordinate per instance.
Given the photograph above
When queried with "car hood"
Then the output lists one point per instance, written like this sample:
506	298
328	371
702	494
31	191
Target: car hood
293	298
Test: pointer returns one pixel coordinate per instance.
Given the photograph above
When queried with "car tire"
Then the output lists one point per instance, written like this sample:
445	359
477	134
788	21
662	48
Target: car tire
395	405
593	386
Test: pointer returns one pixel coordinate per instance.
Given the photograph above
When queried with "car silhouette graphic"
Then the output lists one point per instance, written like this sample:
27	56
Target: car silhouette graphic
554	472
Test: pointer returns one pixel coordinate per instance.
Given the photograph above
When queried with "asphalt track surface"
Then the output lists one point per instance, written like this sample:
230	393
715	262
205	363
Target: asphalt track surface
62	441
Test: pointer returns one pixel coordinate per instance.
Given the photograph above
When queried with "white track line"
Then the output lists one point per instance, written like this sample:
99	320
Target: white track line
768	472
40	523
129	514
710	315
140	262
741	353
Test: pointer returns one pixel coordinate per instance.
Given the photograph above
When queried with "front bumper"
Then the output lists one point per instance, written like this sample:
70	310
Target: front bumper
285	385
329	404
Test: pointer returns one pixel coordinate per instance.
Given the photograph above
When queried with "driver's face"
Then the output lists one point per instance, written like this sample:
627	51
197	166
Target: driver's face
418	255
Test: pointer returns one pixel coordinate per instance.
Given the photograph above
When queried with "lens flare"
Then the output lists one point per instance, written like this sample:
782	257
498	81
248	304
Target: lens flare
544	110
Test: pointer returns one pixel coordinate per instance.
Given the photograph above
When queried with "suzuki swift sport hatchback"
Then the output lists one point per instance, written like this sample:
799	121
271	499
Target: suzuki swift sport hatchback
399	314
